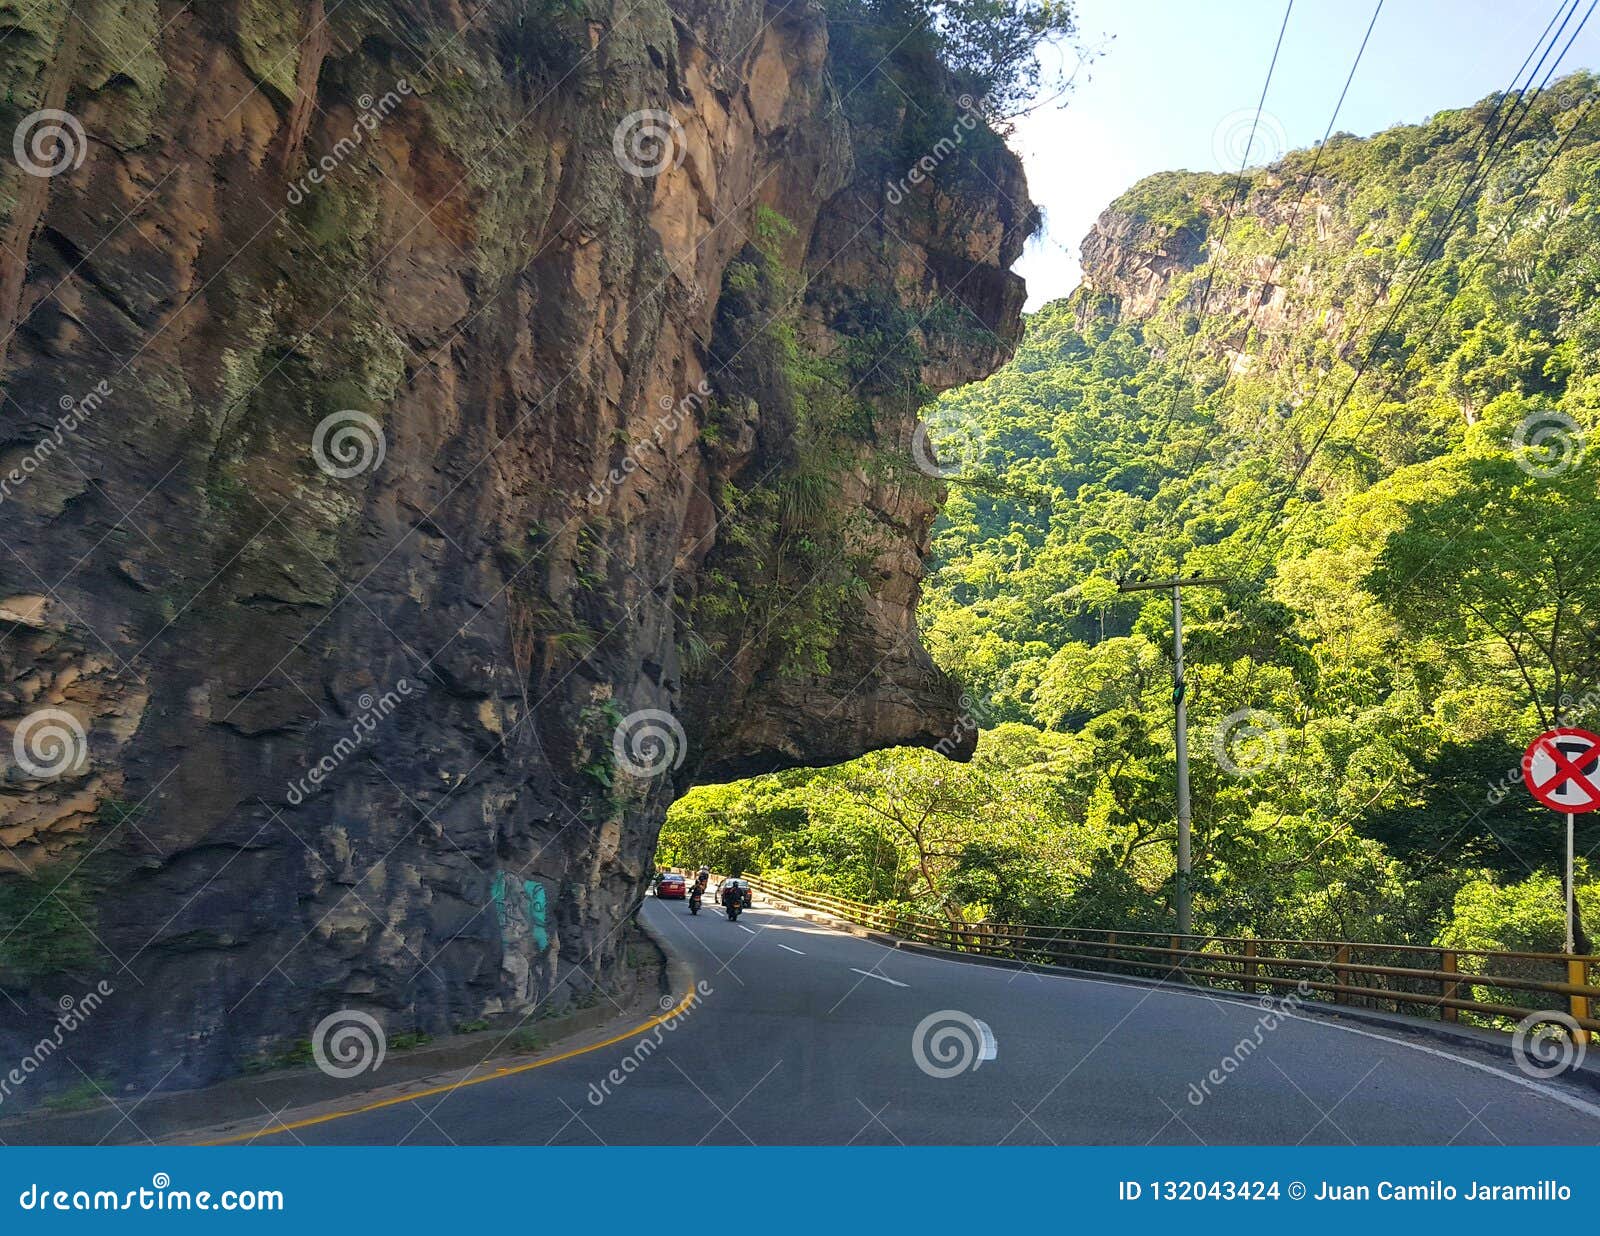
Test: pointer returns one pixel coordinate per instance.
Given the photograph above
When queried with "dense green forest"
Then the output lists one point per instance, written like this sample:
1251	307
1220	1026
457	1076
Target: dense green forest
1358	385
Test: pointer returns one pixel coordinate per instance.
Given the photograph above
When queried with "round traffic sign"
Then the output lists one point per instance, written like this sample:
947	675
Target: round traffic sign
1562	770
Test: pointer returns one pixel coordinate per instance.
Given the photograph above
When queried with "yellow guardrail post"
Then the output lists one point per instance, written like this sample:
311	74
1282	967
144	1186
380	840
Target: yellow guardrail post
1341	956
1578	976
1250	967
1448	989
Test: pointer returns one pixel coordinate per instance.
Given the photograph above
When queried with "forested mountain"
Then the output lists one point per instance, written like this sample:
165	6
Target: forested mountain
1358	384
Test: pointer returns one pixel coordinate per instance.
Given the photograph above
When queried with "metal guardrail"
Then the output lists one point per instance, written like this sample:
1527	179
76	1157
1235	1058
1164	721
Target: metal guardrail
1421	980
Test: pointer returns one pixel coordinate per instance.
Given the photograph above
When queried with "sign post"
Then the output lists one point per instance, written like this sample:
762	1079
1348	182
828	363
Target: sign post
1572	944
1562	770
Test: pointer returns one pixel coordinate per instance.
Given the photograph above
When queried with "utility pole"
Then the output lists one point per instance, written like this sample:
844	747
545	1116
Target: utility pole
1180	723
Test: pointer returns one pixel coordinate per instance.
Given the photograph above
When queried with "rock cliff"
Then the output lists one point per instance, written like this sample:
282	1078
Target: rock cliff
1168	249
434	434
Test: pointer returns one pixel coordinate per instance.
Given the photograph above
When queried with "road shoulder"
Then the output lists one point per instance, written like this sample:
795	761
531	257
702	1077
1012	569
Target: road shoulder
244	1108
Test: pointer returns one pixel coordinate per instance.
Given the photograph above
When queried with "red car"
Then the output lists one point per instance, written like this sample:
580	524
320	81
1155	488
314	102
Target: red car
672	886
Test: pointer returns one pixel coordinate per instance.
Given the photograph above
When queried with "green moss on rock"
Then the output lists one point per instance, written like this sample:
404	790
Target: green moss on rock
268	38
122	66
32	29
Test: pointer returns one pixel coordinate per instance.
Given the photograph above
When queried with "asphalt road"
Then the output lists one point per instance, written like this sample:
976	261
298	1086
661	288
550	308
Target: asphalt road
806	1035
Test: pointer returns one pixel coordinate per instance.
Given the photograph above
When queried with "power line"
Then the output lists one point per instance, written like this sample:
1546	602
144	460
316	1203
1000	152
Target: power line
1475	182
1294	218
1503	233
1488	136
1494	128
1227	222
1316	161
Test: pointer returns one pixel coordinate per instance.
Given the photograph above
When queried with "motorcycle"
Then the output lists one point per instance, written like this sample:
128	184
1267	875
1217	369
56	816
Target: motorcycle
694	900
733	907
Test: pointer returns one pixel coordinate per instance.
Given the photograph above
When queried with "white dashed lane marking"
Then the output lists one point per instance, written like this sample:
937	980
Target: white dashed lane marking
882	978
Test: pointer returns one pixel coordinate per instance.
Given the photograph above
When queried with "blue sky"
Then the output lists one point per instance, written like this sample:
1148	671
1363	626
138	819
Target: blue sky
1178	80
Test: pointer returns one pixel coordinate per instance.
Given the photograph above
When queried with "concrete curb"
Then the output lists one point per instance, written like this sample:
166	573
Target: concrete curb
190	1115
1480	1042
678	980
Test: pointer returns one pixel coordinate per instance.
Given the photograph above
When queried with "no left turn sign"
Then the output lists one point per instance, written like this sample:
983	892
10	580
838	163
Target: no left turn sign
1562	770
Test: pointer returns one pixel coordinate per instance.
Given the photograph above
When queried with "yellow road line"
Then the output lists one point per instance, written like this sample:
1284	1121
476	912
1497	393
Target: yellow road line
460	1085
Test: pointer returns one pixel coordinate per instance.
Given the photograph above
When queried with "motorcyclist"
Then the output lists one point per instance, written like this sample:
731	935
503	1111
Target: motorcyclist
701	879
731	892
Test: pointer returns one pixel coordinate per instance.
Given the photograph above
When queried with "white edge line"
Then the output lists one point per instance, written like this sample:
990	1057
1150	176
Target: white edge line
1527	1083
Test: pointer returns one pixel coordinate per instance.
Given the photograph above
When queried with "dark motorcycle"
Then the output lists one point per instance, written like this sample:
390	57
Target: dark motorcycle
694	900
732	902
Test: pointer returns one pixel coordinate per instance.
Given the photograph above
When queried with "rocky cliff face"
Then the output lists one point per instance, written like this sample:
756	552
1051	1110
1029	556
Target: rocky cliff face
435	434
1168	248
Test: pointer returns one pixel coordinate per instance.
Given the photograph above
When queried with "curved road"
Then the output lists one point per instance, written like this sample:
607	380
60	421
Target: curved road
806	1036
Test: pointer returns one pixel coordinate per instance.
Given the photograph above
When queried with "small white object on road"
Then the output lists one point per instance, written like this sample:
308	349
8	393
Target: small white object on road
988	1046
883	978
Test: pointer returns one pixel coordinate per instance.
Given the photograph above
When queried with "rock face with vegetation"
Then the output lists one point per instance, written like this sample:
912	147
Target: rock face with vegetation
400	399
1363	386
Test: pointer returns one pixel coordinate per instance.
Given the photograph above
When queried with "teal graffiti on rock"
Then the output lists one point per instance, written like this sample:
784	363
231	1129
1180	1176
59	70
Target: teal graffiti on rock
533	910
534	891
